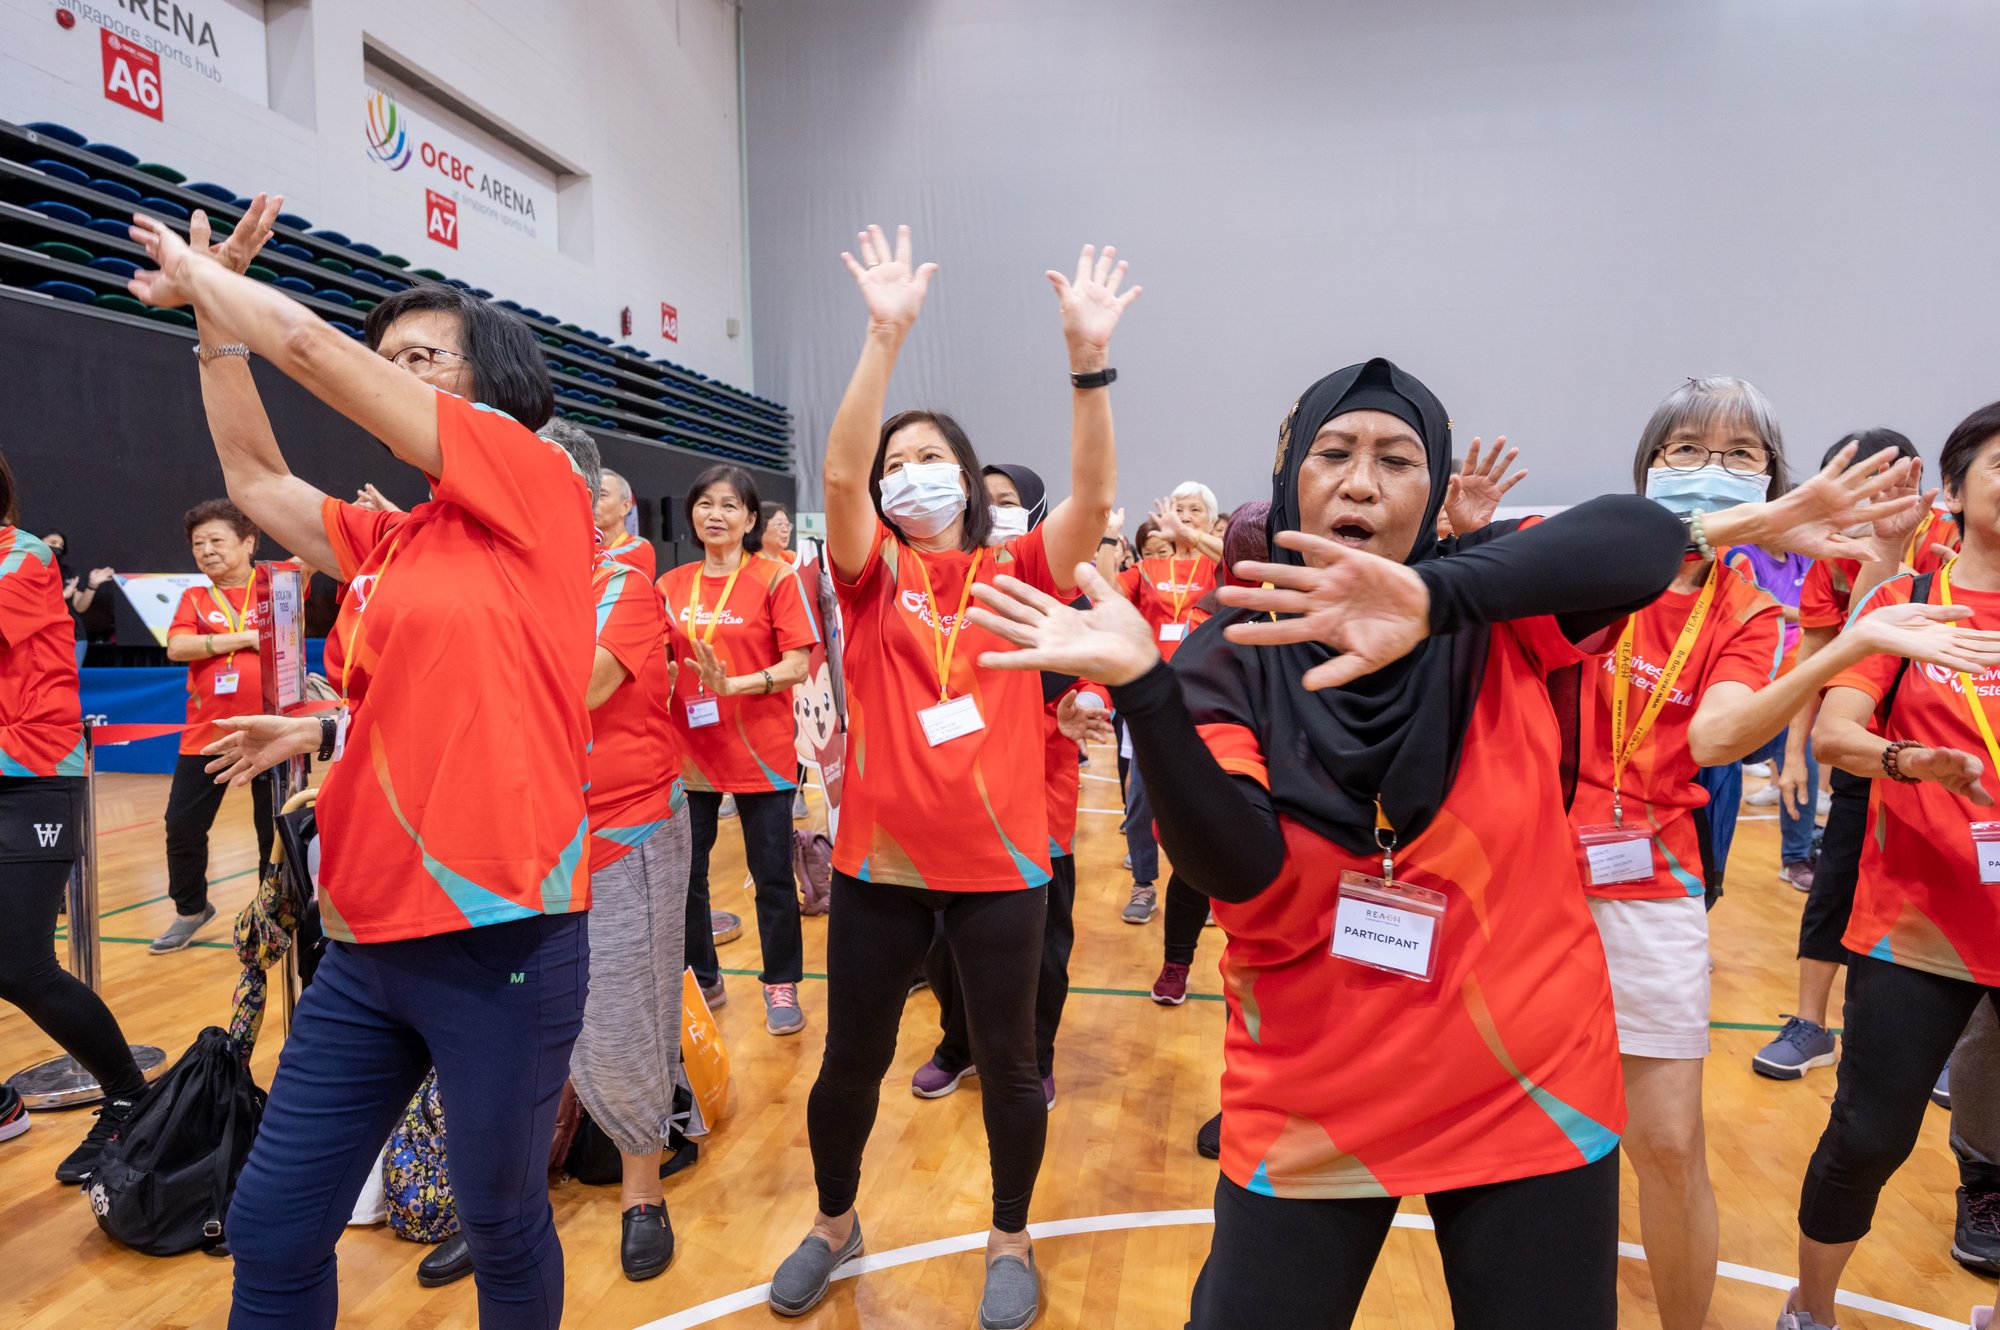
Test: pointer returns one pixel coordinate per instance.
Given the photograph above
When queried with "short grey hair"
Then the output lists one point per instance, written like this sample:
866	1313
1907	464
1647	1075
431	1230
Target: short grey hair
1695	406
582	449
624	485
1194	489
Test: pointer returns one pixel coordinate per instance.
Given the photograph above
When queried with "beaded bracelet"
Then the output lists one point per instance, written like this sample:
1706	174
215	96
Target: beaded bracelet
1700	536
1892	764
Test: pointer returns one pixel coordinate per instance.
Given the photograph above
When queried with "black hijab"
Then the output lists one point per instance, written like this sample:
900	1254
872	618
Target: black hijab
1396	734
1034	494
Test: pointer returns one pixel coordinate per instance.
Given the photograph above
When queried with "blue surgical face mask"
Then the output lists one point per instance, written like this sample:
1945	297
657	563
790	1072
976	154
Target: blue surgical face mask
1710	488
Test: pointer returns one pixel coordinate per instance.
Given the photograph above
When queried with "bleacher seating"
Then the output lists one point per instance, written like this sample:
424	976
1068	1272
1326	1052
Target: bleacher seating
65	203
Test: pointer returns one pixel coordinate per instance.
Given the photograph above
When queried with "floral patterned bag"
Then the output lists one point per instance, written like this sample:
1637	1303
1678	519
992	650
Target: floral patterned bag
413	1171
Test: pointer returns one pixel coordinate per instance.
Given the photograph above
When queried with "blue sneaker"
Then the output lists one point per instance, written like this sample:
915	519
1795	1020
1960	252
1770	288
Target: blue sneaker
1799	1047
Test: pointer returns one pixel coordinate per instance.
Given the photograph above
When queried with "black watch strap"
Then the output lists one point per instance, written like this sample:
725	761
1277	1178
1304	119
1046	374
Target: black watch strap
329	729
1101	378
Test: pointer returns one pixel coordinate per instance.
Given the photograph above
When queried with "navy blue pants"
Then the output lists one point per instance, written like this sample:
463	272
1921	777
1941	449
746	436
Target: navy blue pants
495	1009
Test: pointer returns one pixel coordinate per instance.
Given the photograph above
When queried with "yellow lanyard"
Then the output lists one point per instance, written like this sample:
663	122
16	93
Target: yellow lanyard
1971	692
232	617
945	644
1622	746
695	606
354	629
1917	539
1180	593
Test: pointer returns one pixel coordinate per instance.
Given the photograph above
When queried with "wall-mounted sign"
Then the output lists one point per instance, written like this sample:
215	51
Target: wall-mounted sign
670	322
132	76
221	41
440	218
489	186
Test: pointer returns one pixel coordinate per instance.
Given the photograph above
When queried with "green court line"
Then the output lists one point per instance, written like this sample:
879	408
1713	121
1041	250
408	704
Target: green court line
213	882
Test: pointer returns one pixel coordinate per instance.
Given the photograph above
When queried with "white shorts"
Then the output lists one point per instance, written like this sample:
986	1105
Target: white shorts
1658	954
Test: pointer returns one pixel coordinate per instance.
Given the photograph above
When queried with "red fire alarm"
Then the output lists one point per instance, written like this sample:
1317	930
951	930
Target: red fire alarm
65	18
625	322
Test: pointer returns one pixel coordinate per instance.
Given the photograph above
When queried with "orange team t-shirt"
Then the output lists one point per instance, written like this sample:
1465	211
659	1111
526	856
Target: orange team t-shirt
636	553
1165	592
634	754
41	718
752	747
1919	901
971	813
464	645
1823	600
218	610
1343	1081
1742	641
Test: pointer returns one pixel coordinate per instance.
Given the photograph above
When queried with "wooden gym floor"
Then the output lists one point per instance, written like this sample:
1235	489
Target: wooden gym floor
1134	1081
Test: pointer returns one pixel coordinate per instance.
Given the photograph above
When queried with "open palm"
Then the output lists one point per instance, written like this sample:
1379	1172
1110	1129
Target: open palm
1479	486
891	283
1108	642
1931	635
1815	517
1372	610
244	242
1091	305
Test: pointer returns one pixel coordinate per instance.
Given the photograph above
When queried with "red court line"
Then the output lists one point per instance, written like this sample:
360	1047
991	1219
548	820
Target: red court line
112	831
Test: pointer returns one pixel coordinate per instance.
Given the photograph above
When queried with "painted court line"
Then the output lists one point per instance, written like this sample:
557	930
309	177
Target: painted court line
716	1308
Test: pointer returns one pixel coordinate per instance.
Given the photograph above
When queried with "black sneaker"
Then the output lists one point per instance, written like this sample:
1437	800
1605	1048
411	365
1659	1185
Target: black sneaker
82	1161
1208	1141
13	1113
1975	1243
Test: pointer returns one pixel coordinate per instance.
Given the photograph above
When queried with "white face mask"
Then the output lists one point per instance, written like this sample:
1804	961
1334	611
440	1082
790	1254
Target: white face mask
1709	488
1008	522
923	500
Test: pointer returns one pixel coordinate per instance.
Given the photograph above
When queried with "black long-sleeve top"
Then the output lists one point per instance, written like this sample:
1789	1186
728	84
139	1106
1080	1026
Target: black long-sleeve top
1589	567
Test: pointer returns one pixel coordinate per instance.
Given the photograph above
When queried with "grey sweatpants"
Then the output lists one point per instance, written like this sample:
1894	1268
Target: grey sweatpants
1975	1102
628	1056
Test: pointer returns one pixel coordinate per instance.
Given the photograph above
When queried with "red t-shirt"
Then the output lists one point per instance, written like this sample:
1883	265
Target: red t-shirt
41	720
1823	600
752	746
1742	641
635	553
218	610
1919	901
1165	591
971	813
1343	1081
1060	773
464	645
634	755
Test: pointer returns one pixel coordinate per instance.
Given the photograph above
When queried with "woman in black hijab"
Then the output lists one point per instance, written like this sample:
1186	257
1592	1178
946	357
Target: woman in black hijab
1374	800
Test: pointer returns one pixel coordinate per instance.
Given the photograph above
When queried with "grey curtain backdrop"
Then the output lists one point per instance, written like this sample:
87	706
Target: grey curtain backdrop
1551	211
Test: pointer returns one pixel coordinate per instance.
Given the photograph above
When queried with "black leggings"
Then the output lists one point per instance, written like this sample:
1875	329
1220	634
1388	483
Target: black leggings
1901	1025
1186	916
766	820
954	1049
1823	921
53	998
192	803
1534	1254
876	937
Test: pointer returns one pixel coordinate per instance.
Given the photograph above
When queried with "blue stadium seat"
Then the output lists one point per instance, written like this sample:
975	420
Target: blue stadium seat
293	220
123	193
113	226
115	265
297	285
61	171
112	152
482	293
333	297
165	207
347	328
363	275
508	304
49	129
220	193
291	251
331	237
83	295
61	212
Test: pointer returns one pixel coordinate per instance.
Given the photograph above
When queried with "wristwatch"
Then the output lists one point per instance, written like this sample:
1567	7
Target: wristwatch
1099	378
208	353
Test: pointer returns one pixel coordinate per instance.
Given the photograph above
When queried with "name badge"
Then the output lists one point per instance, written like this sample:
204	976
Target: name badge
1986	845
951	720
704	711
1172	632
1616	854
1390	926
225	684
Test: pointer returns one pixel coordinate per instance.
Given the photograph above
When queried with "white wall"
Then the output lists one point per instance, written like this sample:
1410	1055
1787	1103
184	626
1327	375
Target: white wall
1551	211
639	95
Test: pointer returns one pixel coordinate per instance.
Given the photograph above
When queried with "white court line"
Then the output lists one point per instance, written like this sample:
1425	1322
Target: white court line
715	1309
1109	780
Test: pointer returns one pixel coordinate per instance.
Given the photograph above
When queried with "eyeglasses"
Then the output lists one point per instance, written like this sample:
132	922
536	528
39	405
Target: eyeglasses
417	359
1751	461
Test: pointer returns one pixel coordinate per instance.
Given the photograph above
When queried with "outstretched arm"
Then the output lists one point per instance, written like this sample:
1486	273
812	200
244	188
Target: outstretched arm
1091	307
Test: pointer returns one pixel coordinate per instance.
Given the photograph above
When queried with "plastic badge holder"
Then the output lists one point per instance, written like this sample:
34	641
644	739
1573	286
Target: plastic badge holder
1986	846
1616	854
1389	926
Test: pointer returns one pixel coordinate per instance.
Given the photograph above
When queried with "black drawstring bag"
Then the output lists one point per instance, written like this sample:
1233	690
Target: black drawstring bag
163	1184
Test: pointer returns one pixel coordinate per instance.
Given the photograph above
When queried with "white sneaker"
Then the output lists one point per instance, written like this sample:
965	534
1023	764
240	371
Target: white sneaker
1825	803
1761	770
1764	798
1793	1319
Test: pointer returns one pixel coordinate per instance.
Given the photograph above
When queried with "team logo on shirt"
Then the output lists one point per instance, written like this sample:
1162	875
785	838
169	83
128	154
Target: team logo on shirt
729	616
1172	588
1987	683
919	604
359	589
1646	677
220	620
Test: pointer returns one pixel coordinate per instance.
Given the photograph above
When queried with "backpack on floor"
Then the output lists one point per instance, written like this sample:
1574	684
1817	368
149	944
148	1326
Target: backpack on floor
163	1184
592	1159
812	865
414	1179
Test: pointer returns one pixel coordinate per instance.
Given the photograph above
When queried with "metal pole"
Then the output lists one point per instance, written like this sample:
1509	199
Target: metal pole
62	1082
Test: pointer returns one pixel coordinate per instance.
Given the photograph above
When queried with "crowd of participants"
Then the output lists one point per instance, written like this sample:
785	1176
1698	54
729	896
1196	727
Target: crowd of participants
1457	790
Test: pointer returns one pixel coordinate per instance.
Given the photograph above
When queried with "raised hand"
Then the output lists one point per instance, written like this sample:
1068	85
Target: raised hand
709	666
1891	535
243	243
374	500
1814	519
1168	521
891	284
1958	772
1370	609
165	287
1928	634
1081	723
1108	642
1116	526
1475	492
1091	305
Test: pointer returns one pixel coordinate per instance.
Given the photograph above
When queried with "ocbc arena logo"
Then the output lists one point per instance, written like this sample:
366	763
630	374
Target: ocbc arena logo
387	141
